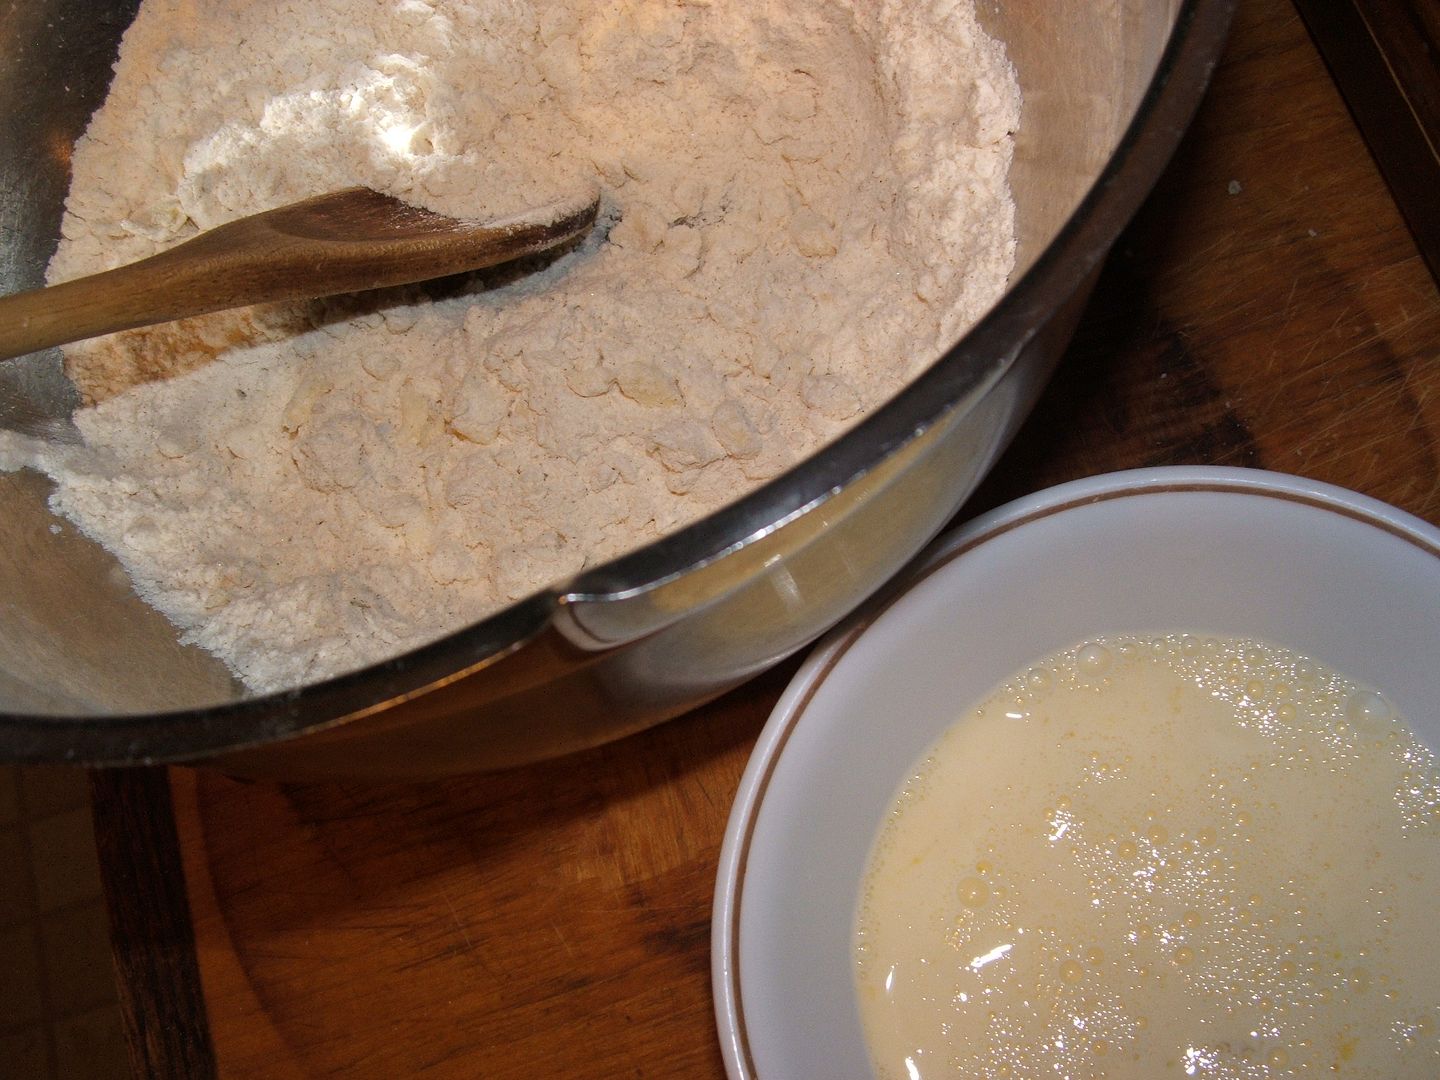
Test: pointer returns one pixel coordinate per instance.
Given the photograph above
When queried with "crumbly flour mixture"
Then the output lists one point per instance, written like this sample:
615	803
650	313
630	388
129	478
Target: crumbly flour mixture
804	203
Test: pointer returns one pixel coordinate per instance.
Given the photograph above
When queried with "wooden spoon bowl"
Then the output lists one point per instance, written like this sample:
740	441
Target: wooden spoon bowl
346	241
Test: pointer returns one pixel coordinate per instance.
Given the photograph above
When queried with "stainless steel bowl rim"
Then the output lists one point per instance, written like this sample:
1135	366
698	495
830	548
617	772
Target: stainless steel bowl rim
961	374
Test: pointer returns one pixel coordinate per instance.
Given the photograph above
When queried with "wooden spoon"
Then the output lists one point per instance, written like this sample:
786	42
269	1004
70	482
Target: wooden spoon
347	241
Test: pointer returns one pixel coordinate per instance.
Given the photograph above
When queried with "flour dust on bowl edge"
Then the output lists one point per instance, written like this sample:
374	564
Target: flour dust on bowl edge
89	674
1351	583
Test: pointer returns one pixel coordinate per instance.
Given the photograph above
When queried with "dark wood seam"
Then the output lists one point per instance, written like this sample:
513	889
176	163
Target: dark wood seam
152	940
1382	55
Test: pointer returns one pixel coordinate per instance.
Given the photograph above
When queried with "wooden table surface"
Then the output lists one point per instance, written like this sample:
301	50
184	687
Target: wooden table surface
1268	308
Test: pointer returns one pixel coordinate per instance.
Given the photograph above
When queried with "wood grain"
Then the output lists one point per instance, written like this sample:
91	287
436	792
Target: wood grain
556	915
1268	308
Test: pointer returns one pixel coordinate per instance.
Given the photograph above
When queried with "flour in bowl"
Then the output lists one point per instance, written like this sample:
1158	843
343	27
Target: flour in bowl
804	204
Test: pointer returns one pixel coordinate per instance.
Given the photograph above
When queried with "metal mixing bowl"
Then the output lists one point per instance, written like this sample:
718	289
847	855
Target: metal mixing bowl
89	674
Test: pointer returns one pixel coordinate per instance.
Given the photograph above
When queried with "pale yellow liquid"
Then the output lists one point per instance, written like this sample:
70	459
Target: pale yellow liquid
1160	857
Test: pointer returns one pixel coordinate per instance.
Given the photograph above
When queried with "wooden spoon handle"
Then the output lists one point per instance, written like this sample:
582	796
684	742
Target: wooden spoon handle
130	296
291	253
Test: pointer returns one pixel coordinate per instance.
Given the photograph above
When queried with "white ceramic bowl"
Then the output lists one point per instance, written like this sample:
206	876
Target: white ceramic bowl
1347	580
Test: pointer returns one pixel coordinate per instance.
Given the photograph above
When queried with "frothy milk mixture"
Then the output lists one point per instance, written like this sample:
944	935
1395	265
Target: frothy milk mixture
1151	857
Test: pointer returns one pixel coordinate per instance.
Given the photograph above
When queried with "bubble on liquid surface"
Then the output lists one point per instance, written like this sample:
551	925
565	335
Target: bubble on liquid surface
1368	709
973	892
1094	659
